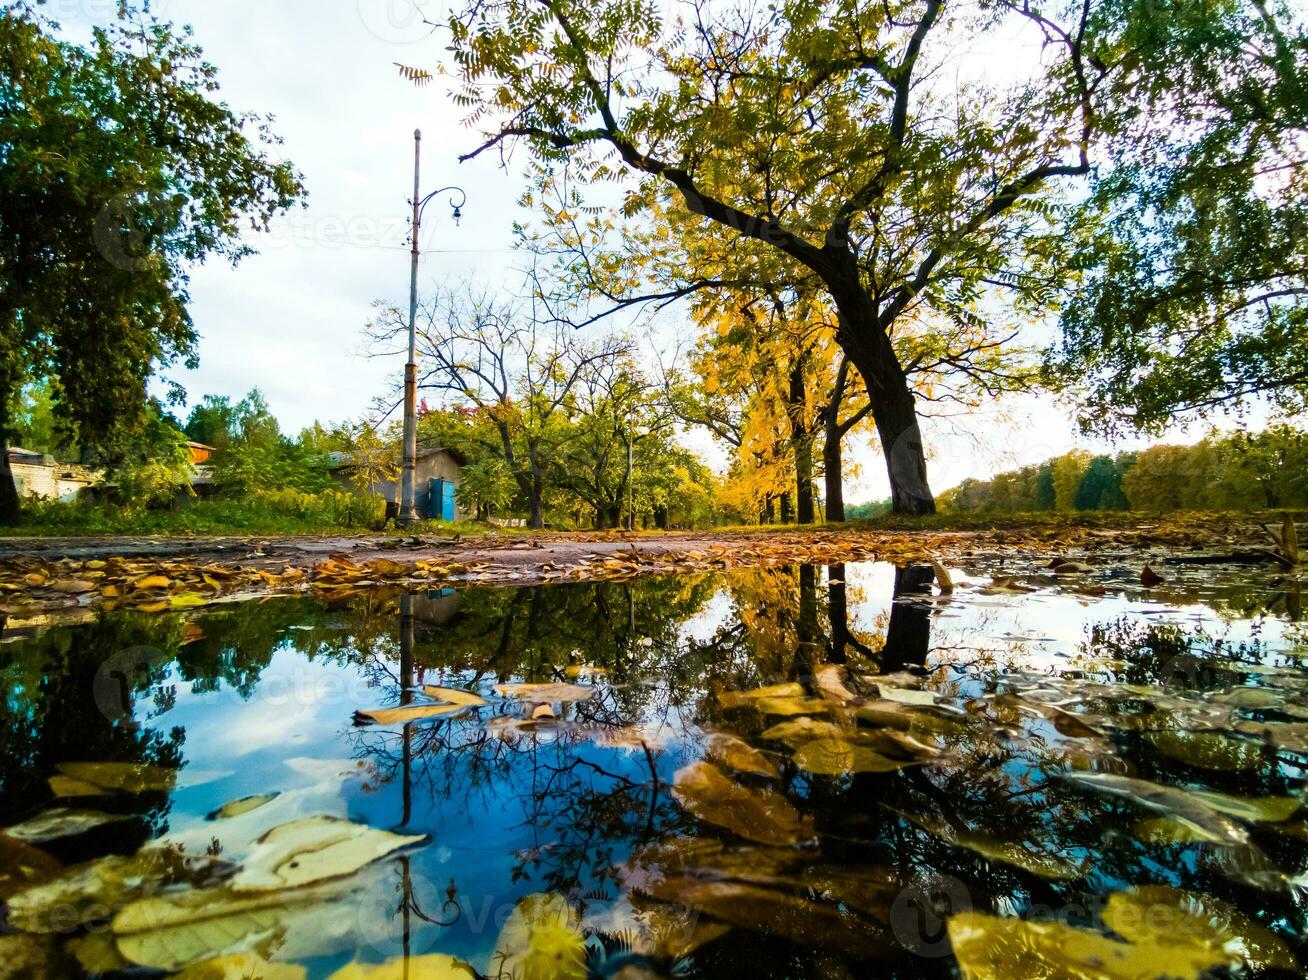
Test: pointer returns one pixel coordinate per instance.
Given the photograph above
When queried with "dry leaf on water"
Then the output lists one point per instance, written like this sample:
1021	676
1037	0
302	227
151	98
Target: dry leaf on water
993	948
315	849
400	716
452	695
242	806
53	824
839	757
541	940
760	815
545	693
123	777
1161	916
739	755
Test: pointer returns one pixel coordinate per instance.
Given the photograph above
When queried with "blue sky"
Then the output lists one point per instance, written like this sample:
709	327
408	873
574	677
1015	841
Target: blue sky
289	320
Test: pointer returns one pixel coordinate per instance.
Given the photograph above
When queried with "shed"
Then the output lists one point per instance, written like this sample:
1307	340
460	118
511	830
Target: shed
436	480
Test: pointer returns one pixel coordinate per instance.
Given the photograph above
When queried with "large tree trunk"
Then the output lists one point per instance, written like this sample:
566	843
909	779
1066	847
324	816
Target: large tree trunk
832	465
10	511
787	510
893	406
802	439
908	634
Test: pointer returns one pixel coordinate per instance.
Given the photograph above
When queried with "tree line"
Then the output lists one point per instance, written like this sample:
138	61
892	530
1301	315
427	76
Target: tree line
857	215
1240	471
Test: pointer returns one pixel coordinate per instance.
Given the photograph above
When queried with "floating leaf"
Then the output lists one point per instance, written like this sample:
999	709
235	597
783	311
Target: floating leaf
800	730
123	777
1208	750
93	890
57	823
242	966
541	940
774	912
1056	867
168	932
402	715
242	806
740	755
663	931
992	948
315	849
830	679
452	695
22	866
1176	803
433	966
66	788
1269	809
741	699
1169	830
1162	916
545	693
755	814
838	757
905	695
792	706
97	953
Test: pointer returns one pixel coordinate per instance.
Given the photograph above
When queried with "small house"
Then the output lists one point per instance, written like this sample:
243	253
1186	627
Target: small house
38	475
436	481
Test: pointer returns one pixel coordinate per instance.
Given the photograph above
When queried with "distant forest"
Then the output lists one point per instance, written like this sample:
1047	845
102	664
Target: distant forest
1242	471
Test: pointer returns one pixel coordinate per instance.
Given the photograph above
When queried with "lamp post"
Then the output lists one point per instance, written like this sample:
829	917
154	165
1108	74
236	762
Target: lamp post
408	514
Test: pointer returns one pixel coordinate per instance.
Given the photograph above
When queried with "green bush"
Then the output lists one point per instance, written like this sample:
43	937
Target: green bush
284	511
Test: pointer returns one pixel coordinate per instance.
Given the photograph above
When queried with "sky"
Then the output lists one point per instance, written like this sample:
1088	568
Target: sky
290	320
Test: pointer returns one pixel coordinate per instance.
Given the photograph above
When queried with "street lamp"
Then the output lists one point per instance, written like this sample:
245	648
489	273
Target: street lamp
407	513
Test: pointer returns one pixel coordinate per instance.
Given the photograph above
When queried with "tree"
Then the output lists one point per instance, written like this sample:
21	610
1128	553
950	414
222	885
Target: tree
496	355
814	136
100	223
1195	240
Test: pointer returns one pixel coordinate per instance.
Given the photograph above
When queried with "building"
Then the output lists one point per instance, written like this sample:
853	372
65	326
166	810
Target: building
37	475
436	480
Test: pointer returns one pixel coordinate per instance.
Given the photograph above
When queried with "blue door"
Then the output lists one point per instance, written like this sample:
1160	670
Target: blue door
442	500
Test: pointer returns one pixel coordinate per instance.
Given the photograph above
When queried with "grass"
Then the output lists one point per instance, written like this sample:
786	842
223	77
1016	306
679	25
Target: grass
287	513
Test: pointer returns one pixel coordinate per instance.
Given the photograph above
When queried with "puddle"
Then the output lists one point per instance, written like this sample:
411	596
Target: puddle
778	772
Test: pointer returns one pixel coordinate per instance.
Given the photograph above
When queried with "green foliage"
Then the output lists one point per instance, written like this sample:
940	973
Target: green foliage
262	512
867	511
1194	243
1241	471
100	223
158	472
34	424
486	487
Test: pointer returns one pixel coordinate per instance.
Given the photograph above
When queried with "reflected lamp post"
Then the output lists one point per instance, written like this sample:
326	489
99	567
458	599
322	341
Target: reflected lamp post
408	513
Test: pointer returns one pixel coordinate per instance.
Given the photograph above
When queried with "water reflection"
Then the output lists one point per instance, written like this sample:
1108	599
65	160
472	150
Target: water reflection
1010	707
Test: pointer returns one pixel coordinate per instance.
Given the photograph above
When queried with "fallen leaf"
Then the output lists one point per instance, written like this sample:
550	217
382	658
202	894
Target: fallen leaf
739	755
452	695
545	693
838	757
56	823
91	891
407	713
760	815
242	806
315	849
541	940
1165	917
123	777
988	947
